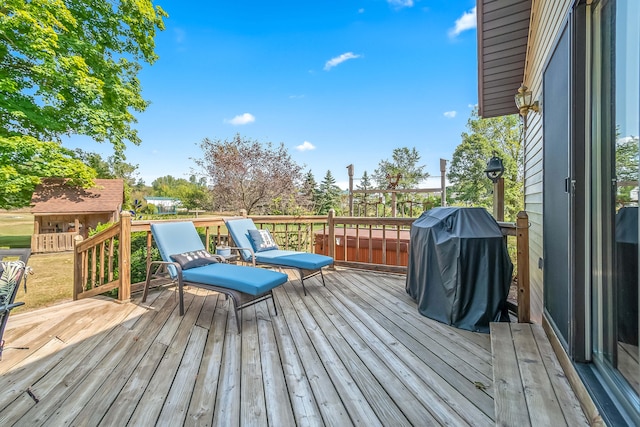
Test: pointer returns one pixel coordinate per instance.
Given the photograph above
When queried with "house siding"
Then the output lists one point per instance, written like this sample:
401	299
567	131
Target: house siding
547	17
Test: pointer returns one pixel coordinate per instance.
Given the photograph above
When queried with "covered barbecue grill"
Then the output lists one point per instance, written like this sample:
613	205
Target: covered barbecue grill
459	269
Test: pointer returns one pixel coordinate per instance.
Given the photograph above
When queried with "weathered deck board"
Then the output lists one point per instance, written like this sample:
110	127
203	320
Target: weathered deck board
355	352
531	388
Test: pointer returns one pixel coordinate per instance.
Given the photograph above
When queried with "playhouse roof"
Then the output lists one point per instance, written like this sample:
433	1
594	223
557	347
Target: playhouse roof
53	196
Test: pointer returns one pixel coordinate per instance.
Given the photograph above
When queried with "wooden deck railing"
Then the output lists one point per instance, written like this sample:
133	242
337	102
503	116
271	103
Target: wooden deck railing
52	242
96	268
380	244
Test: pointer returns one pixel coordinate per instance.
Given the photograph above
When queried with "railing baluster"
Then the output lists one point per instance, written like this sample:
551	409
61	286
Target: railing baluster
384	245
370	244
102	261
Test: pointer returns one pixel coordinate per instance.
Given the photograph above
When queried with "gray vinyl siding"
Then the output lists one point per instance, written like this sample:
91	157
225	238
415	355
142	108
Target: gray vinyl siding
546	21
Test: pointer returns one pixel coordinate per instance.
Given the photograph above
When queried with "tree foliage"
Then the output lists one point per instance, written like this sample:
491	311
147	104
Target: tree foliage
328	195
192	193
70	67
499	135
111	168
23	160
404	161
249	175
366	201
309	193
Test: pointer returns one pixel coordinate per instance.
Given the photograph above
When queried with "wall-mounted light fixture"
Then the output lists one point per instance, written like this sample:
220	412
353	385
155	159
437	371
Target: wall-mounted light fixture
525	102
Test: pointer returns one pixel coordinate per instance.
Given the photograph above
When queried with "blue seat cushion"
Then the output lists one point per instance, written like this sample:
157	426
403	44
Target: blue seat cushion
305	260
250	280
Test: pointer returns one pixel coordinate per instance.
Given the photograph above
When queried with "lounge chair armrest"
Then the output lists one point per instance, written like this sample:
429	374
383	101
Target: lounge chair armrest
165	264
161	264
253	254
9	307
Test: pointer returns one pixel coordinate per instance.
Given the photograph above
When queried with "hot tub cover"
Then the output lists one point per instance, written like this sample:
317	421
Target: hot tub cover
459	269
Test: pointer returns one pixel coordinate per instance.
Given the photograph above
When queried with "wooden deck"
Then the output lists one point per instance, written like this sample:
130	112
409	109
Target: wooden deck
355	352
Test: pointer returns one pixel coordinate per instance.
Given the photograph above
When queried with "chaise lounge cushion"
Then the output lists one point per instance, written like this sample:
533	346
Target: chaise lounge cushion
250	280
240	229
304	260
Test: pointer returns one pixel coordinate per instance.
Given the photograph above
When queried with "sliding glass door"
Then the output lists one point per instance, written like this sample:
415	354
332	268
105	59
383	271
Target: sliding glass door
615	90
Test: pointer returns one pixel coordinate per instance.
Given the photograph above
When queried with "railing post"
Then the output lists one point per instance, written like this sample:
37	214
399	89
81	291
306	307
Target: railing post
332	234
524	303
77	269
124	292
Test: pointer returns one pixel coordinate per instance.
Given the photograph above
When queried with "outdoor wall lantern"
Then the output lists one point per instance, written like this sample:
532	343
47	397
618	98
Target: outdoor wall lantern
494	169
525	102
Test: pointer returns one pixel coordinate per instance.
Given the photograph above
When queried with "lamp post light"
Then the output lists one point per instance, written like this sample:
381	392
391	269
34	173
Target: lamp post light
494	171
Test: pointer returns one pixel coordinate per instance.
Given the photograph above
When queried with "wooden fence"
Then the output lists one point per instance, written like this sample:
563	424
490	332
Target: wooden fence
380	244
52	242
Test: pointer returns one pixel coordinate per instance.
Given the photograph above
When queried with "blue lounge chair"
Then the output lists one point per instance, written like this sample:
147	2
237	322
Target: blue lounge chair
244	231
187	261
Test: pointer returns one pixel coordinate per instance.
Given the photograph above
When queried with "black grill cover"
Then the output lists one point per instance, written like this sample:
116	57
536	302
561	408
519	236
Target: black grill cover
627	274
459	269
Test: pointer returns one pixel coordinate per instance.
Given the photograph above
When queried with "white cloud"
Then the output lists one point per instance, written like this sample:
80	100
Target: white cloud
339	60
399	4
242	119
180	35
466	22
306	146
296	96
450	114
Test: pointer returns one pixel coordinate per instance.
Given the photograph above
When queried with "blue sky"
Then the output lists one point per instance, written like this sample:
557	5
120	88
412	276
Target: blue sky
336	81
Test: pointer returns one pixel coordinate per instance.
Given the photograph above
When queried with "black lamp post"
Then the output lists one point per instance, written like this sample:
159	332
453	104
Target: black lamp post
495	168
494	171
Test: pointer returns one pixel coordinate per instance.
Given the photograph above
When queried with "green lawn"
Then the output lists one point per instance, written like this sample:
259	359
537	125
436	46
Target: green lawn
16	228
52	278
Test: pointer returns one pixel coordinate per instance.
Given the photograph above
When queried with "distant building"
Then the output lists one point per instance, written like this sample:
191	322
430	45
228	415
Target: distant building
164	205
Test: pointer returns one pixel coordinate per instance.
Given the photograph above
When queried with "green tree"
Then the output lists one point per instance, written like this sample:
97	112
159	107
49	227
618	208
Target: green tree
69	67
626	167
196	195
329	195
249	175
404	161
499	135
309	192
168	186
24	160
112	168
192	193
364	199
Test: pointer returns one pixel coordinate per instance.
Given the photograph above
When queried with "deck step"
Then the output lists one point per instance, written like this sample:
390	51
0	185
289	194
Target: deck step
530	388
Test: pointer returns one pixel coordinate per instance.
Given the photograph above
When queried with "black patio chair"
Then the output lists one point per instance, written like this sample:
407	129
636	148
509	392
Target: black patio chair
11	273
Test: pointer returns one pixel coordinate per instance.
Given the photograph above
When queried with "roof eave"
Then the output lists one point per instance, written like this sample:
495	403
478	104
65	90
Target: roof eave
503	33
